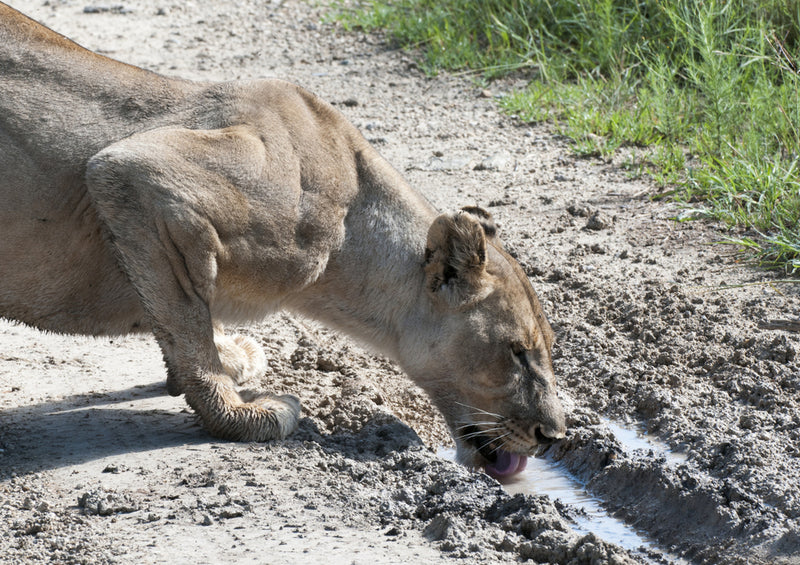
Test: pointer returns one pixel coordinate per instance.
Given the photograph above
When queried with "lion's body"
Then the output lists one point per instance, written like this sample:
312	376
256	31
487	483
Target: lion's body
135	202
58	271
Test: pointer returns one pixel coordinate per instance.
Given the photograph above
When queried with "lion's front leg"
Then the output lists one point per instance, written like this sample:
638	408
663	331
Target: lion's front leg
168	247
207	375
228	413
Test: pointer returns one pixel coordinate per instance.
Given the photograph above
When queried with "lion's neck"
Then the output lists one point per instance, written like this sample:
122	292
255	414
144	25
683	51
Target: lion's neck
373	287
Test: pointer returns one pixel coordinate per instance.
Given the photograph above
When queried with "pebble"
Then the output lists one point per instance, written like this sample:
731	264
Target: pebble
103	9
579	210
599	221
451	163
501	161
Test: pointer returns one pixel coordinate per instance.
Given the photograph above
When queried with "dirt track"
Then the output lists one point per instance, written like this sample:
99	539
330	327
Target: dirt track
98	465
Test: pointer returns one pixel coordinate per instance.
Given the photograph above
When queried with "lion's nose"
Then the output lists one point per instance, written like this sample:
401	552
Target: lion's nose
546	435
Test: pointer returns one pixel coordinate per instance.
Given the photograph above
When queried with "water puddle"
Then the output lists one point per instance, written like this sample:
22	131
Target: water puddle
635	438
544	476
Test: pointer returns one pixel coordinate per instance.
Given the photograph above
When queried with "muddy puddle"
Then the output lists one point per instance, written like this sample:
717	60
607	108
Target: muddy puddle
545	476
634	439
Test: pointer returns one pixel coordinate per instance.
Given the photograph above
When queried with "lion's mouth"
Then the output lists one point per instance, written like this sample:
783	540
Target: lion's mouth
482	443
499	462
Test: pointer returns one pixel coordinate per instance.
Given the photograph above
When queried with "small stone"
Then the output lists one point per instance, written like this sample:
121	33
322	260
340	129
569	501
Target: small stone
579	210
451	163
486	93
350	102
99	503
439	528
105	9
747	422
599	221
664	359
327	365
498	162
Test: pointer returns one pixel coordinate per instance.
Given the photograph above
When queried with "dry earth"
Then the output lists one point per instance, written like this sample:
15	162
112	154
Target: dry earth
98	465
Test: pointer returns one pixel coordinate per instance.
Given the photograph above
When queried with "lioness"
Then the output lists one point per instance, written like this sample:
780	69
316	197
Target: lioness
134	202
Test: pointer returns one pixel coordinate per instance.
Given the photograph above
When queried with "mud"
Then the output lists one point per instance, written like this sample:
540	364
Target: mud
654	329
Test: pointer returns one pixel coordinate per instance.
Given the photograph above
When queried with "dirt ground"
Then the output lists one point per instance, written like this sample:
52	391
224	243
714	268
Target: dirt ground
655	327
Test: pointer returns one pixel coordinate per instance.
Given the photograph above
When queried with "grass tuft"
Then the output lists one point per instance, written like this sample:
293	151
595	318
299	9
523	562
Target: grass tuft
714	84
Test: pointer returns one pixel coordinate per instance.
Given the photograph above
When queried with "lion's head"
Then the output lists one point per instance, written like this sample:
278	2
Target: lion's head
486	360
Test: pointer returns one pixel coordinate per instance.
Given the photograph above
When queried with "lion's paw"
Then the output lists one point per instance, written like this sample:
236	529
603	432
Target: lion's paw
274	416
242	358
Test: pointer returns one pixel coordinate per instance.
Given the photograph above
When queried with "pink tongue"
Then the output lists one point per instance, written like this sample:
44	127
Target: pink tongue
507	464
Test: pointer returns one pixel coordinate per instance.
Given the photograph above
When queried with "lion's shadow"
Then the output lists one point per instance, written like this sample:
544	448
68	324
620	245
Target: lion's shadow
85	427
91	427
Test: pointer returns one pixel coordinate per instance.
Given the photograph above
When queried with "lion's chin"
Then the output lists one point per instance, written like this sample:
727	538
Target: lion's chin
506	465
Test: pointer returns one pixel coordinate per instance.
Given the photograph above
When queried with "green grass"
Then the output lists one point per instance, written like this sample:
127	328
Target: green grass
707	92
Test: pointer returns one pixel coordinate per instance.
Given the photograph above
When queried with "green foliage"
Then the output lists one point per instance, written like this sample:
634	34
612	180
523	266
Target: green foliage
713	83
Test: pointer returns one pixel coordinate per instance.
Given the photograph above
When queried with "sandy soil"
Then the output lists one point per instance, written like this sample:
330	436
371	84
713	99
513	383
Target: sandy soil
654	325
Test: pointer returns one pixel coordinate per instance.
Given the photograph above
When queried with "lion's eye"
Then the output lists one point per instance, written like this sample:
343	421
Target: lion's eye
521	356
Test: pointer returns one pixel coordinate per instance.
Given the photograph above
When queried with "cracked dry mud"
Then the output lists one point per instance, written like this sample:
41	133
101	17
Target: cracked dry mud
98	465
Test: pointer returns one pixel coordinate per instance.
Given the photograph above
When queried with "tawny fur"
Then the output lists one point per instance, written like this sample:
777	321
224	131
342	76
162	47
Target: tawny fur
135	202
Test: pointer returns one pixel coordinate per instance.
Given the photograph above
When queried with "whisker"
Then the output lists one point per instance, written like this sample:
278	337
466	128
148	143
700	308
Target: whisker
482	432
480	439
479	411
479	423
503	444
484	414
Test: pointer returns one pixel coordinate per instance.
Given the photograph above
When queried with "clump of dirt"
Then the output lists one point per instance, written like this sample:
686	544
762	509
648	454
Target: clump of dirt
654	326
106	503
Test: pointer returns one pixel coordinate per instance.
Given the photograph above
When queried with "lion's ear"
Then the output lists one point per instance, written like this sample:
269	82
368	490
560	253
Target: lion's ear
455	258
485	218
